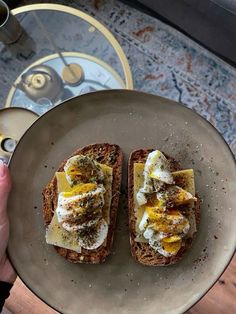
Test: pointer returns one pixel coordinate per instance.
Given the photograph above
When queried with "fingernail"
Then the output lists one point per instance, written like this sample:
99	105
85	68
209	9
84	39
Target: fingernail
2	169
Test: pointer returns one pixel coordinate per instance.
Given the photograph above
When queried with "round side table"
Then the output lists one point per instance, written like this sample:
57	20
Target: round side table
62	53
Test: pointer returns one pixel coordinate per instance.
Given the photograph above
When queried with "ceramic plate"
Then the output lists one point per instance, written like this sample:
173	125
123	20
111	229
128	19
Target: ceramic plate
132	120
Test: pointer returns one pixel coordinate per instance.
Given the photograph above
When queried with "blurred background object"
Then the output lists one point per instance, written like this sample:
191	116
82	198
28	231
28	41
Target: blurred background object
10	28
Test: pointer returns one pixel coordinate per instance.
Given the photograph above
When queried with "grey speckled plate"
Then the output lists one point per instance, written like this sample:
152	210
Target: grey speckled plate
132	120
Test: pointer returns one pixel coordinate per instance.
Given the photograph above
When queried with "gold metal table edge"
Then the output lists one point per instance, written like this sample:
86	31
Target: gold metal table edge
107	34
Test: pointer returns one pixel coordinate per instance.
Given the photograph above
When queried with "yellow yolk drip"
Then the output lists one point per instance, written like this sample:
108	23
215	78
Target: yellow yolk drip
80	189
171	247
172	239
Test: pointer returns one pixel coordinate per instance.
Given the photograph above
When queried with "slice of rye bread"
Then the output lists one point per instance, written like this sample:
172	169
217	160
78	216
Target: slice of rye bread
110	155
142	252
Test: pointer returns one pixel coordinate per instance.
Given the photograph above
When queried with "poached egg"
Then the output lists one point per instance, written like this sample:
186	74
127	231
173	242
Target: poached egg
156	174
80	210
82	169
162	224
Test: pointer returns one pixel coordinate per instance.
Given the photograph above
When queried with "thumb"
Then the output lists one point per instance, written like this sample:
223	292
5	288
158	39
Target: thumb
5	187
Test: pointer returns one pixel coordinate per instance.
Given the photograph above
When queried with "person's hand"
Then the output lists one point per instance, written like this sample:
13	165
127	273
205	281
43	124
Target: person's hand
7	272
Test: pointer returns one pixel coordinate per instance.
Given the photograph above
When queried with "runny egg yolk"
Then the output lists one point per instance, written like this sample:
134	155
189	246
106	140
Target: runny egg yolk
171	247
172	239
153	213
80	189
170	222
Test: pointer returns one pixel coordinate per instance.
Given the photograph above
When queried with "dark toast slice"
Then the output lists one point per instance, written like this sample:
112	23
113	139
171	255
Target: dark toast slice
110	155
142	252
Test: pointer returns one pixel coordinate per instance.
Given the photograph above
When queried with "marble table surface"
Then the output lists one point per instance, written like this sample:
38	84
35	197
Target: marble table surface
167	63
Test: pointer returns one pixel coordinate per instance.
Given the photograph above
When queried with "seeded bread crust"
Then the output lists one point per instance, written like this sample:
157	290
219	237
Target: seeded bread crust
110	155
142	252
